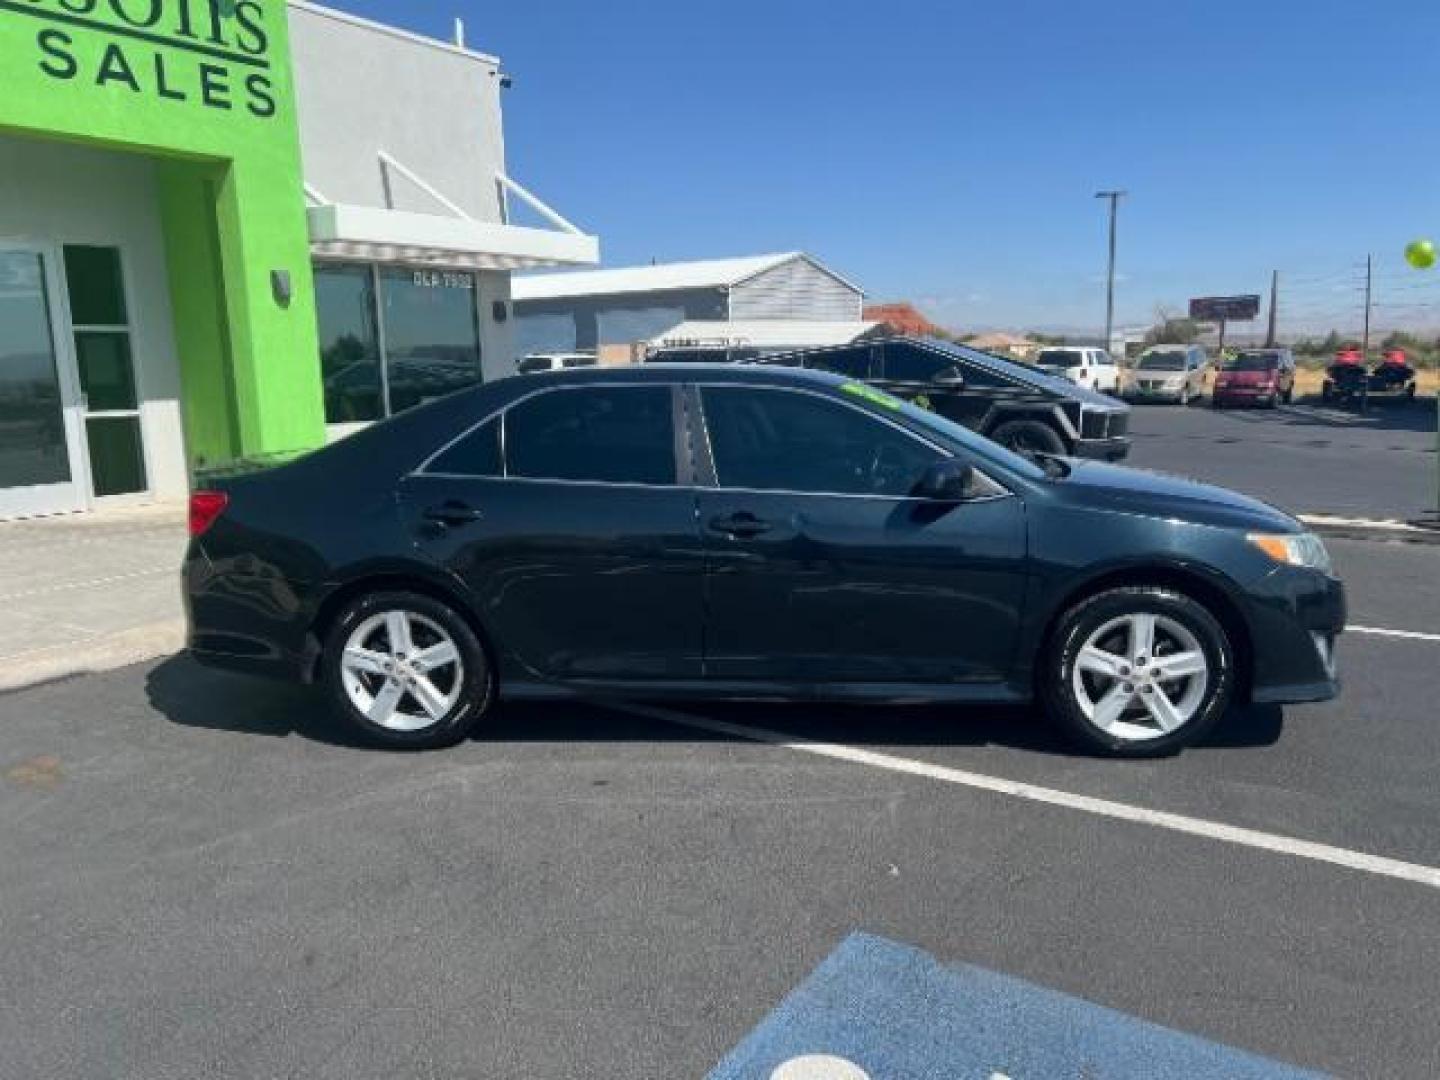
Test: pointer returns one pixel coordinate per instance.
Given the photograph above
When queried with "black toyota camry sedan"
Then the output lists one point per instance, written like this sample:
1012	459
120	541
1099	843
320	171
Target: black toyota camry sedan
748	532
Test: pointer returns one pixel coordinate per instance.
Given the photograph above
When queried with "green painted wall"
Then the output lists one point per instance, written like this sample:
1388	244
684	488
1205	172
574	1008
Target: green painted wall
205	86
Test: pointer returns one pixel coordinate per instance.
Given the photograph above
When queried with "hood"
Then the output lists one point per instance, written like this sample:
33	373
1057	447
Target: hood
1247	378
1140	491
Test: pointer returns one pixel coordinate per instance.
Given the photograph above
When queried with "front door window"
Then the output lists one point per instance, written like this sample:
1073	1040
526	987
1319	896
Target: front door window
106	365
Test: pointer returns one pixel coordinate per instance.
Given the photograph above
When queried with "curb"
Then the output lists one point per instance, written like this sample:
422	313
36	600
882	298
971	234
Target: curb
1388	530
93	655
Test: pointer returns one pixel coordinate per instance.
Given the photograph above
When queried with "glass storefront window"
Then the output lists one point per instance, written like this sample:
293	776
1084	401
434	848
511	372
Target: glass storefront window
423	343
32	424
432	338
349	344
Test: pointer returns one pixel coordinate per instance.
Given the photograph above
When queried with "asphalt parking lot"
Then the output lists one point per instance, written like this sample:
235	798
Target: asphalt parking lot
1304	458
204	878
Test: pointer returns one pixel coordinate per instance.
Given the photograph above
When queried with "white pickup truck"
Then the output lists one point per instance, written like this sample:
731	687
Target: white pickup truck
1090	368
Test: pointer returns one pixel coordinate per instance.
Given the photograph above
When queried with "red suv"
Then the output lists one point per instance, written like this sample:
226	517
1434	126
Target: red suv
1255	377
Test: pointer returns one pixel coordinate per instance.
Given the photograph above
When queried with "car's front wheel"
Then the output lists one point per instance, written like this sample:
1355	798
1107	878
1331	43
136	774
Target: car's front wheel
407	671
1029	437
1138	672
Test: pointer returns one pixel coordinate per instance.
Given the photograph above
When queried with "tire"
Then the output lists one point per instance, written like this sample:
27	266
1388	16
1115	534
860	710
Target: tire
424	707
1029	437
1193	702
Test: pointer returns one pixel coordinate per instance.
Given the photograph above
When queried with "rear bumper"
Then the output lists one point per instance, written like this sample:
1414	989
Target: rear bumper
255	623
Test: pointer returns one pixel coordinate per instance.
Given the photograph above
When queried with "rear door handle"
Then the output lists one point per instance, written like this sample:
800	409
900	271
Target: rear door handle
453	512
739	525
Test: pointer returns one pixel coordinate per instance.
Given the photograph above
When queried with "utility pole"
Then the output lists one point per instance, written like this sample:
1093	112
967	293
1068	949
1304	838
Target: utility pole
1114	197
1274	301
1365	341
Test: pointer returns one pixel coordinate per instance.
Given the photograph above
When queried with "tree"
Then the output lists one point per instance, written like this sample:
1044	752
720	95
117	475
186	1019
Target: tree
1171	329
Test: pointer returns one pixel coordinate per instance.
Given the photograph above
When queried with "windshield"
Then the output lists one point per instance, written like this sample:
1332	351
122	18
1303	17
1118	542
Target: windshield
934	426
1058	358
1252	362
1162	361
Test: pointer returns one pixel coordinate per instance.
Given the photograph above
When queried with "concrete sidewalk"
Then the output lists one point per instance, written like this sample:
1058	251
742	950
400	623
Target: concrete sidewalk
89	592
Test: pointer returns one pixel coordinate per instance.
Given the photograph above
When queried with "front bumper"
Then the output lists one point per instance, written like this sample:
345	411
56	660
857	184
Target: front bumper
1246	394
1135	393
1111	449
1296	619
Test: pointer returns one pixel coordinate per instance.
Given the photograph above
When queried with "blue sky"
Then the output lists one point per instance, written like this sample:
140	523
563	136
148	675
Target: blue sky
948	152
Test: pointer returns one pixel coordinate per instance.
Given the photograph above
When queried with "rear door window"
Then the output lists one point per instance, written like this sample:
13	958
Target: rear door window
598	434
909	364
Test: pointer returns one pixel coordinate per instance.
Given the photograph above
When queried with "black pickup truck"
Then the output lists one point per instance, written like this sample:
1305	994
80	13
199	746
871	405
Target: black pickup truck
1015	404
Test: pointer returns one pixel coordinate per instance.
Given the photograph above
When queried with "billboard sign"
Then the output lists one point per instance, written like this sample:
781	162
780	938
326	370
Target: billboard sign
1224	308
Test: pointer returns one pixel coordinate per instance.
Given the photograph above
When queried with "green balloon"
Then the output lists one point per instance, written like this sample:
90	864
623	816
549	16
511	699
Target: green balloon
1420	254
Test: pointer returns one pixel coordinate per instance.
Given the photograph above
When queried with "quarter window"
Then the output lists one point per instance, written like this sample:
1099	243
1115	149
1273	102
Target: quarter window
606	434
777	440
477	454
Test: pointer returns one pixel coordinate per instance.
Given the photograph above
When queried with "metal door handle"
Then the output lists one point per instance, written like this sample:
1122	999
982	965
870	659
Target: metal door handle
453	512
739	525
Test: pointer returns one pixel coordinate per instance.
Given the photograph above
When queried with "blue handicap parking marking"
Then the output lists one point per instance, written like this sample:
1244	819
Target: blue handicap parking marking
880	1010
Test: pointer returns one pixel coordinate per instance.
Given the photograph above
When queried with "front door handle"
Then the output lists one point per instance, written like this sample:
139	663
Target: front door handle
739	525
453	512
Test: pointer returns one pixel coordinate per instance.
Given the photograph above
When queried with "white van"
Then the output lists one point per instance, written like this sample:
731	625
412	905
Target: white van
1091	368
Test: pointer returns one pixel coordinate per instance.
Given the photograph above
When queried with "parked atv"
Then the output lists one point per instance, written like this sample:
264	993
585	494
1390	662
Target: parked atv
1345	377
1347	381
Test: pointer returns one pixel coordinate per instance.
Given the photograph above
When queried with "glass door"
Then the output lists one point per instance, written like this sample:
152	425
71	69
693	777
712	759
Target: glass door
106	363
41	458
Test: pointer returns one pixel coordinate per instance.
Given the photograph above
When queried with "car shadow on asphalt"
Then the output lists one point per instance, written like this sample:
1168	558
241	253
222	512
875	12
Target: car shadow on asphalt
193	696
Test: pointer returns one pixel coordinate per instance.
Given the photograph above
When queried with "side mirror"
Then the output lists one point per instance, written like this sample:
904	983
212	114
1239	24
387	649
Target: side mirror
952	378
945	481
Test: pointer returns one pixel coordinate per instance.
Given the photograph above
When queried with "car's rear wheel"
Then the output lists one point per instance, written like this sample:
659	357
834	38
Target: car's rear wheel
1029	437
407	671
1138	672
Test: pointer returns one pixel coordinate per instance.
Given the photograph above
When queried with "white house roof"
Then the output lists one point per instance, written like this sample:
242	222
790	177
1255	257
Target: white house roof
767	333
702	274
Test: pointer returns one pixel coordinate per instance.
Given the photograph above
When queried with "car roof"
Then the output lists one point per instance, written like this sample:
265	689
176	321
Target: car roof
755	374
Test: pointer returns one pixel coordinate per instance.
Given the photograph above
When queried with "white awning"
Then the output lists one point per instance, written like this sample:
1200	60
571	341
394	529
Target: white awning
371	234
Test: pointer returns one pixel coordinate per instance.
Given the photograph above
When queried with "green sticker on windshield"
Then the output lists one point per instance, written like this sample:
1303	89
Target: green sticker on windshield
870	394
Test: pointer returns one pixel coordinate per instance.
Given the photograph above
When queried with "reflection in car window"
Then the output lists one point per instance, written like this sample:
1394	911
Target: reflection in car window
477	454
610	434
777	440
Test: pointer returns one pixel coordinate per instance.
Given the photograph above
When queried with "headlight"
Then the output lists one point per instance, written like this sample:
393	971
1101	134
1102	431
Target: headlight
1295	549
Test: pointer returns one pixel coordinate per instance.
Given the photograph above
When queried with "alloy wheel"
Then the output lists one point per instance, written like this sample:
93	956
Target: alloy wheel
401	670
1141	677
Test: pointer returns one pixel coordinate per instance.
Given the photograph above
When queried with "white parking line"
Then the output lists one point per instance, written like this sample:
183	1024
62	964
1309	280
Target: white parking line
1380	631
1211	830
